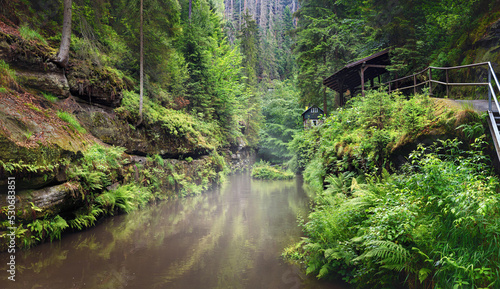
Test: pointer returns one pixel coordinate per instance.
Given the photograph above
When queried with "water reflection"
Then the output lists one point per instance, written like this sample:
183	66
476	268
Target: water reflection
229	238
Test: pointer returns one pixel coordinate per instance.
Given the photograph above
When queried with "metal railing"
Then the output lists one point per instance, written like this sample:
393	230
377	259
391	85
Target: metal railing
492	98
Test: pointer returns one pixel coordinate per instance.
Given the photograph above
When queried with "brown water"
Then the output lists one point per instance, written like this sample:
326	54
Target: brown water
227	238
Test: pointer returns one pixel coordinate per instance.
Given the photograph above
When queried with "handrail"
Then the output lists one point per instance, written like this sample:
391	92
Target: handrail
492	98
491	91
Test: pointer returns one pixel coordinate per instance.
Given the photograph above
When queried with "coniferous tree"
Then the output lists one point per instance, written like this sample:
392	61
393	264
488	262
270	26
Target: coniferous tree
249	44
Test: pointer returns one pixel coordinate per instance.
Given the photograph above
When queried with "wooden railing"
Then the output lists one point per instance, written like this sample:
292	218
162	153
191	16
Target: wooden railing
492	98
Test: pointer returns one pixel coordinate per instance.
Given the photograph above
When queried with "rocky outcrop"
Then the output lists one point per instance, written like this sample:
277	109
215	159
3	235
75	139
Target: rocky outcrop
107	126
241	157
96	84
51	82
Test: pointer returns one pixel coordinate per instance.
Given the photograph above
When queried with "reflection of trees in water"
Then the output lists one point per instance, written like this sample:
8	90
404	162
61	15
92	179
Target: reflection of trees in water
226	238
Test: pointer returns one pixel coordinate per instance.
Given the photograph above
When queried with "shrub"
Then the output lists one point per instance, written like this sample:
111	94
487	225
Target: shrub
264	171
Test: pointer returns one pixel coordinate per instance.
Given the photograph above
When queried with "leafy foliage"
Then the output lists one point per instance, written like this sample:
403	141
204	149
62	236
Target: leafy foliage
282	121
361	137
7	75
97	168
263	170
431	222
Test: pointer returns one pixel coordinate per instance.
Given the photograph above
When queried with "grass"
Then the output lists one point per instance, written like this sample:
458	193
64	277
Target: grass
73	122
7	76
30	34
50	97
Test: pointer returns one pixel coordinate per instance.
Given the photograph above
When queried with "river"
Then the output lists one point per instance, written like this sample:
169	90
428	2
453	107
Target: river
229	237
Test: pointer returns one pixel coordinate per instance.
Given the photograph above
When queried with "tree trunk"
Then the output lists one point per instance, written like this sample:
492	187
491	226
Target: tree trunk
141	66
231	12
190	9
62	57
263	12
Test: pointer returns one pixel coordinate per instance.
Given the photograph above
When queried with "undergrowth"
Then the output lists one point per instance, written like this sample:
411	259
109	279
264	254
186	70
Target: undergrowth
174	123
431	223
434	225
264	171
7	76
30	34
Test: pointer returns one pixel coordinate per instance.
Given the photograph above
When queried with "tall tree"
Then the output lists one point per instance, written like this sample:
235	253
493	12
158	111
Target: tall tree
249	47
63	55
141	64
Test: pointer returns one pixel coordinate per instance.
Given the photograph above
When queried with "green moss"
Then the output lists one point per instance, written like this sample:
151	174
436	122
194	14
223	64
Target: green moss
7	76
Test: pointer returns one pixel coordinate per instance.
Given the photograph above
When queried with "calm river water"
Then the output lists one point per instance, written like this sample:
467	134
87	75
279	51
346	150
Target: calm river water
230	237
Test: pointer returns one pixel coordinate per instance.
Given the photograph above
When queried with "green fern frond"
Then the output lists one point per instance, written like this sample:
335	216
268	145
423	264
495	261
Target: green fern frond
390	255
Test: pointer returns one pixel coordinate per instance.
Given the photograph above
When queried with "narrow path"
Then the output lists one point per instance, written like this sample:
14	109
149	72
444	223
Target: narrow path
478	105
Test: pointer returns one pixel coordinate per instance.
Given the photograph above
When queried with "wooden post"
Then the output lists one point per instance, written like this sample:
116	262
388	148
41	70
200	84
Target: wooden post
447	86
414	84
430	82
324	101
341	93
363	79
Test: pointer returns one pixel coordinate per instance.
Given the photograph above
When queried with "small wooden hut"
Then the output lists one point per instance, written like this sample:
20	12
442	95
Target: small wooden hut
312	116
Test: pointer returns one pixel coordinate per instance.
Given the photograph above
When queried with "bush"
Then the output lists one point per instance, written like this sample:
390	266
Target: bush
264	171
433	225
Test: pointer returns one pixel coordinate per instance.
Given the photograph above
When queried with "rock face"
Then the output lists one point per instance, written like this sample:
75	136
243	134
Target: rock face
51	82
488	48
34	143
94	84
242	158
108	127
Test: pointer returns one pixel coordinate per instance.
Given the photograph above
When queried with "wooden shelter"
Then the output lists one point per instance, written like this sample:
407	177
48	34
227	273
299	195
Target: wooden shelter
312	116
356	74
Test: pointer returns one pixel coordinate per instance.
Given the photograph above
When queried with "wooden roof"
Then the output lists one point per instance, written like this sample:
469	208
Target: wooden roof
349	77
320	111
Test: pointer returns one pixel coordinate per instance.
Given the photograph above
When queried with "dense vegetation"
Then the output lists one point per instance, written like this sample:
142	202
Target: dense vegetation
432	221
222	74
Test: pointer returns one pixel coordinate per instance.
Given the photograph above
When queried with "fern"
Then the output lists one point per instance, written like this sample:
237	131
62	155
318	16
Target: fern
86	220
391	256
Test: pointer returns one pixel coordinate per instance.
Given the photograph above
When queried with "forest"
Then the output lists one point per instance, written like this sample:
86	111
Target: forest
407	193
